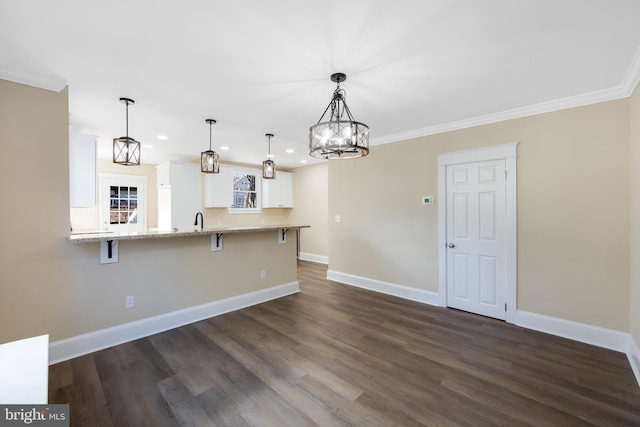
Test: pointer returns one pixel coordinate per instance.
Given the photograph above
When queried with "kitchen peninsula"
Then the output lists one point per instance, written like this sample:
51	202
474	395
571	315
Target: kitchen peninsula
175	278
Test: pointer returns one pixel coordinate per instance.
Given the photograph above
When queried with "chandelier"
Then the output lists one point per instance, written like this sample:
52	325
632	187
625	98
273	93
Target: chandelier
341	137
126	151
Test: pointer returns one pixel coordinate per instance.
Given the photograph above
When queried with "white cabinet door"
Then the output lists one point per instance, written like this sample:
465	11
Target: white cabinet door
164	174
286	189
278	192
82	171
178	199
218	188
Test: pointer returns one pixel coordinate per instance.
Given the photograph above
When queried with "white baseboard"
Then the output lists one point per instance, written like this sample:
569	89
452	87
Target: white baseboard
601	337
633	354
69	348
406	292
313	258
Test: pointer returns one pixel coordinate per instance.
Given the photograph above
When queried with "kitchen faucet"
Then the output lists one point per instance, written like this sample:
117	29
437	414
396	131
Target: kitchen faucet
201	220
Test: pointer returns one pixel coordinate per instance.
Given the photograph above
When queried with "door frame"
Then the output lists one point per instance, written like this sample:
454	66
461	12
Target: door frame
506	152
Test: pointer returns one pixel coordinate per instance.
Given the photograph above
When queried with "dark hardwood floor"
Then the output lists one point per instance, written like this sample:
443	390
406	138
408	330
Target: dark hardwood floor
336	355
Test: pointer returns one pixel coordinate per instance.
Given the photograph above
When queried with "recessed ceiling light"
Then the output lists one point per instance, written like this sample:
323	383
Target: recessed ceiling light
303	161
224	148
163	137
289	150
148	146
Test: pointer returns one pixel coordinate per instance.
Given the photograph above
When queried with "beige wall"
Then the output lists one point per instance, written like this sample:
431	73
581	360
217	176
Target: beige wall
573	211
310	201
51	286
634	295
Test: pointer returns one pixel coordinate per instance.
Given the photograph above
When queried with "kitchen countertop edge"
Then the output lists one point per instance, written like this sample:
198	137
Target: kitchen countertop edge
161	234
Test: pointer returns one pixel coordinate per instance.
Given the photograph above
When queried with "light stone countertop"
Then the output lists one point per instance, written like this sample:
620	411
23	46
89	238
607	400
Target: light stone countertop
159	234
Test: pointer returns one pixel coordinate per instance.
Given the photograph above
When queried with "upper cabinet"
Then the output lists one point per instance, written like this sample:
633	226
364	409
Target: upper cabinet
82	170
218	188
164	174
278	192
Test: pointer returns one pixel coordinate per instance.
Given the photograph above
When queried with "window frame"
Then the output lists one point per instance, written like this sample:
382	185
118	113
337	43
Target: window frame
258	174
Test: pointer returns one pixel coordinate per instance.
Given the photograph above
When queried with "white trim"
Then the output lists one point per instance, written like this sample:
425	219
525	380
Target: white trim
69	348
594	335
633	354
624	90
508	152
303	256
42	81
632	77
401	291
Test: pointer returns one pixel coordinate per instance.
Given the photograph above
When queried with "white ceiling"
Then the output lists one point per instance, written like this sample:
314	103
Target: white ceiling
413	67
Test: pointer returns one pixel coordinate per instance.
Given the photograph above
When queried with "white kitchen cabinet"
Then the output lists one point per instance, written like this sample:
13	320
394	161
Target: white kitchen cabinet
218	188
82	171
164	174
278	192
178	196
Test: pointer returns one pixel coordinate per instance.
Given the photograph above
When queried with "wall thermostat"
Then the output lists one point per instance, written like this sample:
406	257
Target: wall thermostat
427	200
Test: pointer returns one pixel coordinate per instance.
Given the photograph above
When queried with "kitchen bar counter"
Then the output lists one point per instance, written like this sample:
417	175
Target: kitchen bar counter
159	234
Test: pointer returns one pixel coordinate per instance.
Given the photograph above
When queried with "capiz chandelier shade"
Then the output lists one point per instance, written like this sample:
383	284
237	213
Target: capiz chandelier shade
340	137
268	166
209	160
126	151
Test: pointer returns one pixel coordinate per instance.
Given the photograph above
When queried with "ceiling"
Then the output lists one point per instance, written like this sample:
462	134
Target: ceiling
414	67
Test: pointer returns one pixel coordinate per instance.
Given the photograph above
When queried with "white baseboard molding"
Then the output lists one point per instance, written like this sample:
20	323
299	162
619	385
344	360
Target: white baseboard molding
633	354
594	335
69	348
313	258
401	291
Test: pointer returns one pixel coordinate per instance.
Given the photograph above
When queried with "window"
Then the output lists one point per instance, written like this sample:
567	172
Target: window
122	202
123	205
246	191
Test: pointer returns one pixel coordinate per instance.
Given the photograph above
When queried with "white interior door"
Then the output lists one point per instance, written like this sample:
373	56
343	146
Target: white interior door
476	237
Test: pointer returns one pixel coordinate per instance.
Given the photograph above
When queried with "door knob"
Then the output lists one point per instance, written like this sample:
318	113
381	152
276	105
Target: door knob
451	245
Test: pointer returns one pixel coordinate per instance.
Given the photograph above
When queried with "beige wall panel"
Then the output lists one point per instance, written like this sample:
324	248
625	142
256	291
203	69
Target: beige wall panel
310	208
573	211
634	294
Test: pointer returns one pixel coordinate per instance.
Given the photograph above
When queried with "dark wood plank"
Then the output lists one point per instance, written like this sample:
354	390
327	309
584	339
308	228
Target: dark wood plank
335	355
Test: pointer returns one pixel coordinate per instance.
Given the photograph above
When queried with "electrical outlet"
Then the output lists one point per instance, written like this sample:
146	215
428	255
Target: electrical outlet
129	301
263	274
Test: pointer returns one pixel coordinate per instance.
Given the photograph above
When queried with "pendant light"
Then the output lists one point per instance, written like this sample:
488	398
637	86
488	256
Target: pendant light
268	166
126	151
209	160
340	137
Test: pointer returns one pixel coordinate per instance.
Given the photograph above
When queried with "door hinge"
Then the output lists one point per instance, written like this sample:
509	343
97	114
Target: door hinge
505	174
505	306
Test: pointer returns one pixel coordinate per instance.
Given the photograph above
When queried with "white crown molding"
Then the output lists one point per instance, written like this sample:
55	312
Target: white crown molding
54	84
69	348
401	291
632	78
625	90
